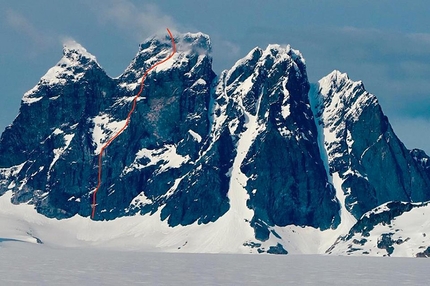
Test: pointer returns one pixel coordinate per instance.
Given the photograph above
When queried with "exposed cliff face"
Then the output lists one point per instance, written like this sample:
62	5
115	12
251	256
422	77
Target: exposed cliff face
156	161
76	108
422	159
373	164
49	139
267	109
255	146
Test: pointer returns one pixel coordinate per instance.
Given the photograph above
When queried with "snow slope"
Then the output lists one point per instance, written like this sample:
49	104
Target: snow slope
406	234
143	233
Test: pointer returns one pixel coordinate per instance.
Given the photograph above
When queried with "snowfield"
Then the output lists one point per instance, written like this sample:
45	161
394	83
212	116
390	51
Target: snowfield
35	264
78	251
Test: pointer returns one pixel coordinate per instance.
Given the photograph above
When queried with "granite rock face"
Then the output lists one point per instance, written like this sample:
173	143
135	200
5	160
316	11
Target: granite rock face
268	112
49	144
256	139
362	149
76	108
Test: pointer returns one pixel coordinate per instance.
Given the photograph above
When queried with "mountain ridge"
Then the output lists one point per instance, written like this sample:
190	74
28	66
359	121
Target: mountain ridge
258	147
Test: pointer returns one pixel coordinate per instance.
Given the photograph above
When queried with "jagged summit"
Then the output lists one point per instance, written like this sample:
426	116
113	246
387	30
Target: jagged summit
197	42
337	97
333	79
373	165
336	82
193	53
276	49
75	52
251	161
72	47
336	76
274	62
274	53
73	65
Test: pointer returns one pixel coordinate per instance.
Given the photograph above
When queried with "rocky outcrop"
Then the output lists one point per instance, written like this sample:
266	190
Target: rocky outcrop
425	253
382	231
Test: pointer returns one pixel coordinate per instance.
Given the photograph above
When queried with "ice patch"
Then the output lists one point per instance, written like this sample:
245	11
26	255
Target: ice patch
130	86
104	128
246	85
198	82
140	200
30	100
195	135
11	171
166	156
59	151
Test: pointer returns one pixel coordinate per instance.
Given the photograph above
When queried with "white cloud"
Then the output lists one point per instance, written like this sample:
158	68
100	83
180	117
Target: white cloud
229	48
22	25
223	52
137	21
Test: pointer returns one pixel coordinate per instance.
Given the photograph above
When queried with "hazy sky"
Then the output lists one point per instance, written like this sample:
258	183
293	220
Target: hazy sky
385	43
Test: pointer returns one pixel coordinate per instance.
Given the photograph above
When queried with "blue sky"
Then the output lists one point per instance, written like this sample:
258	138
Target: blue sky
386	44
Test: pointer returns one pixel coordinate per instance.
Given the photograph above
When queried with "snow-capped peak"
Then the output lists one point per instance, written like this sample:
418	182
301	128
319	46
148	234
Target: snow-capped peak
192	49
268	58
195	42
72	66
337	86
294	54
335	79
75	52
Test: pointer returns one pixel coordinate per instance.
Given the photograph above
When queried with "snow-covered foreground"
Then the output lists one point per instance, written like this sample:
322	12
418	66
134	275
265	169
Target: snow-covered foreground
141	250
25	263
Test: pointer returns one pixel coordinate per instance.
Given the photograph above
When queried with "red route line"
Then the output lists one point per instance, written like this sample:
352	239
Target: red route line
93	205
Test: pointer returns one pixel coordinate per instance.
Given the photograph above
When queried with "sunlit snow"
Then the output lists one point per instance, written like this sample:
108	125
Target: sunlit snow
195	135
105	127
59	151
167	156
69	69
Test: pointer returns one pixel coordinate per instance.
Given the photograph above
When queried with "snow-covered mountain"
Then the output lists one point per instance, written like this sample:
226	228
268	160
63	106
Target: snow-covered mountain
253	160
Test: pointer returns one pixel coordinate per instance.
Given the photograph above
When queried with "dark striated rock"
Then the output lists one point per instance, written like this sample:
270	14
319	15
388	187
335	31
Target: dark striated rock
386	242
362	148
422	159
381	215
255	141
425	253
267	94
278	249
